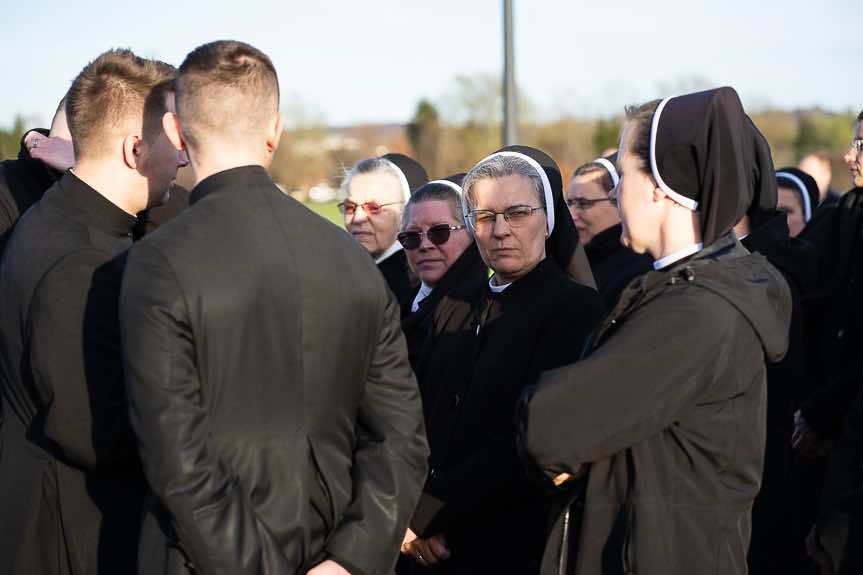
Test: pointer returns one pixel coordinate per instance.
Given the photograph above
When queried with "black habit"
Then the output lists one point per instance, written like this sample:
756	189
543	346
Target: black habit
486	347
401	279
468	269
62	376
613	264
667	408
283	426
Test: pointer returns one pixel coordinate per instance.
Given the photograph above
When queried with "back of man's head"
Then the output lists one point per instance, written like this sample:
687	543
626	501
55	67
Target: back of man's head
227	95
116	94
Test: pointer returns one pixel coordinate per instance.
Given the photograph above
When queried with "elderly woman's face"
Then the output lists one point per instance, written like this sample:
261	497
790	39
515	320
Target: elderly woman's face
375	231
510	251
429	260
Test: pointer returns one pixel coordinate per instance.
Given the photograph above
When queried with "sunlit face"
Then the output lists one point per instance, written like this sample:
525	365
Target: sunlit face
854	159
511	252
596	216
789	202
376	232
429	261
640	214
159	159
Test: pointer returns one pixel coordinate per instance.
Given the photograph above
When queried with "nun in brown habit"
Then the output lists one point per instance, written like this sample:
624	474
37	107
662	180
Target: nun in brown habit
479	511
657	435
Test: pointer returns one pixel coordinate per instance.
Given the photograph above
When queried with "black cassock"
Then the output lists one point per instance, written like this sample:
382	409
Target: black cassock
613	264
487	347
62	376
22	183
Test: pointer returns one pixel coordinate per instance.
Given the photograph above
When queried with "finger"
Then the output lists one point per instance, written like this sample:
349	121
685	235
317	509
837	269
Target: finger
438	548
425	551
561	479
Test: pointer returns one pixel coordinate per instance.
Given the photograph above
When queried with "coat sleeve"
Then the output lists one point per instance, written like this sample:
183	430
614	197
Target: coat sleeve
217	527
76	364
628	389
390	459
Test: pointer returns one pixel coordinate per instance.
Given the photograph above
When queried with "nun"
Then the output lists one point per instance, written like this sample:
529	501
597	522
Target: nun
597	220
479	512
440	251
658	432
780	519
798	198
376	191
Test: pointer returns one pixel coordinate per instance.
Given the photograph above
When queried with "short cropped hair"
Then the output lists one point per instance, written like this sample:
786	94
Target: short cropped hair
498	167
640	119
435	192
227	89
597	171
115	92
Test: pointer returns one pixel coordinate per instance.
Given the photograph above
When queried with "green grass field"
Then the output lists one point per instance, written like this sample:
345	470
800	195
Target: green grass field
327	210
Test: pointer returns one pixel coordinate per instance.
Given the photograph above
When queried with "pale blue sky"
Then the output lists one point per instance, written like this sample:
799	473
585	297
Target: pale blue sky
355	61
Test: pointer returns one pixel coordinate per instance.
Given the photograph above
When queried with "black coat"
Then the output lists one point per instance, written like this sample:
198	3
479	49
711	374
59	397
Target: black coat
22	183
613	264
468	270
777	536
149	220
401	279
278	419
669	417
62	374
485	350
834	327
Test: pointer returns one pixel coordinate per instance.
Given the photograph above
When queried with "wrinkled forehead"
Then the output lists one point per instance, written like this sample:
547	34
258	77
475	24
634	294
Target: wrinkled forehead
380	187
431	212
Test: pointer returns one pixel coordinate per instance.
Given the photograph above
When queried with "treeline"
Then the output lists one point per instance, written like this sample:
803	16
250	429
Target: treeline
450	136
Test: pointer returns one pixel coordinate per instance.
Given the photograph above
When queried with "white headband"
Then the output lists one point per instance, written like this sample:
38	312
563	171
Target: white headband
807	206
452	185
609	167
546	185
679	198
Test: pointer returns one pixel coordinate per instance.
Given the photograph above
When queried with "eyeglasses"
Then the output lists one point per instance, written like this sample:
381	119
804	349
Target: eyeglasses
515	216
348	207
857	144
584	203
437	235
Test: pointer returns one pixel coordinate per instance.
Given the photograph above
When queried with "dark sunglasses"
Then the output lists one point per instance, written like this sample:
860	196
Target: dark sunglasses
348	207
437	235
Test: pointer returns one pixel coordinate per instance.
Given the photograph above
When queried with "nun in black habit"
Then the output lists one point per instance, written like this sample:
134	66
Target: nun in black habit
779	524
664	418
428	255
490	342
381	218
613	264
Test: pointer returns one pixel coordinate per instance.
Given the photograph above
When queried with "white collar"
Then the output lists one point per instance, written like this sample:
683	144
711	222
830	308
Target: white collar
677	256
497	288
424	292
389	251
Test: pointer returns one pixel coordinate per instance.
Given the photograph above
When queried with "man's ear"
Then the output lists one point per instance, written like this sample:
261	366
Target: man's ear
132	150
172	129
274	133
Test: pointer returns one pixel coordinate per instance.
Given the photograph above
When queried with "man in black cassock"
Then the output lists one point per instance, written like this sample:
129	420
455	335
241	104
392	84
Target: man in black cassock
22	183
60	362
278	420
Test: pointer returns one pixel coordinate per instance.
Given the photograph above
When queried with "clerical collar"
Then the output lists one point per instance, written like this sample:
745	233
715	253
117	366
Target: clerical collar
424	292
95	209
389	251
496	288
677	256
